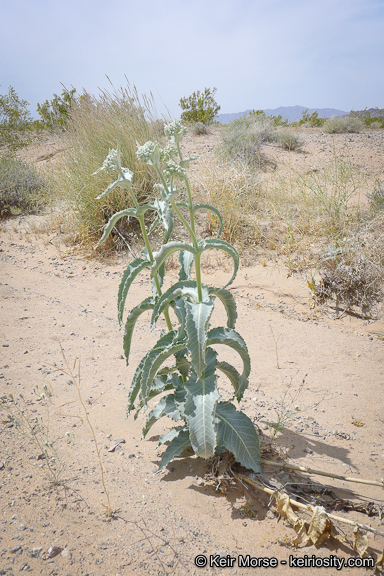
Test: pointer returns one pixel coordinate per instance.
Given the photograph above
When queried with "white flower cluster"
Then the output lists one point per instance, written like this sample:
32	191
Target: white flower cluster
111	162
174	170
168	153
149	153
175	131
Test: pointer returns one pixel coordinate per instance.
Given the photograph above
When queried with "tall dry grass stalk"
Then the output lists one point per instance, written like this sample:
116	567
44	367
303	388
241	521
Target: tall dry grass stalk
98	124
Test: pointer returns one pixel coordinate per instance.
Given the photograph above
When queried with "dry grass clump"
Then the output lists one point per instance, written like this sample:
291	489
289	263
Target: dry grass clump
289	140
96	125
232	190
352	274
243	137
343	124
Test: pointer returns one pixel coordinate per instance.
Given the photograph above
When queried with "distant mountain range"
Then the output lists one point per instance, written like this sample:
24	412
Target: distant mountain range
291	113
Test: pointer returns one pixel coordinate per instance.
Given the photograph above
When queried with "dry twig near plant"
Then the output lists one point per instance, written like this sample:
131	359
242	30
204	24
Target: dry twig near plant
321	527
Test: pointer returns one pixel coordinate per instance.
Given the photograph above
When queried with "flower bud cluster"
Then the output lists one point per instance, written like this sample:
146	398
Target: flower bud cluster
149	153
175	131
168	153
111	162
174	170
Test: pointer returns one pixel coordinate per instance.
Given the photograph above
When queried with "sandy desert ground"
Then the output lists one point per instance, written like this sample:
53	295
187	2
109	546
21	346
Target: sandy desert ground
330	369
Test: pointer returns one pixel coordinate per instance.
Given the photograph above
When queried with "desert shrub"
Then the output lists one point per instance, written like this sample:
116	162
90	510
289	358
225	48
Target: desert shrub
15	120
377	197
372	118
200	107
340	125
311	120
22	189
288	140
55	114
232	189
199	129
96	125
243	137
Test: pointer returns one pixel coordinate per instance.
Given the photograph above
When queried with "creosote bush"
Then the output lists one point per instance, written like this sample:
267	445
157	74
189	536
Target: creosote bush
96	124
200	107
183	365
22	189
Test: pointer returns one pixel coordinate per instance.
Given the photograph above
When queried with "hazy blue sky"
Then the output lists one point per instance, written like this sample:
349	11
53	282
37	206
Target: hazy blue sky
257	53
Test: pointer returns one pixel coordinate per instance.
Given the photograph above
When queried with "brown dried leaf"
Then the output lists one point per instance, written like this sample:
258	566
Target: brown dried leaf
380	560
320	528
302	538
360	541
284	508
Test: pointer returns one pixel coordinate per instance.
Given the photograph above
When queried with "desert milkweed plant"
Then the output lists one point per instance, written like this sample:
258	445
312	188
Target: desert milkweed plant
189	387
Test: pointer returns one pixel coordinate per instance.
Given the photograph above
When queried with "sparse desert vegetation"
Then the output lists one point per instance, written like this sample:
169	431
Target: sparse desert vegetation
304	208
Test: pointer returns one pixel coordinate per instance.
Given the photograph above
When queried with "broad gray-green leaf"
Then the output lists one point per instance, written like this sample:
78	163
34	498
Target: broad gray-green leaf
197	322
164	348
135	386
166	250
147	304
237	434
166	217
113	221
229	304
212	209
181	313
161	384
182	363
231	373
199	409
176	447
186	261
186	288
133	270
233	339
121	182
226	247
169	436
166	407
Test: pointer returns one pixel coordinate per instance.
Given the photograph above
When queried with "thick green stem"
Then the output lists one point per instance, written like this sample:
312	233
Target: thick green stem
150	255
190	202
149	249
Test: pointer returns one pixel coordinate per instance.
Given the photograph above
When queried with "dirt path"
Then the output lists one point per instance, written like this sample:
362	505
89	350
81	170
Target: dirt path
322	378
165	520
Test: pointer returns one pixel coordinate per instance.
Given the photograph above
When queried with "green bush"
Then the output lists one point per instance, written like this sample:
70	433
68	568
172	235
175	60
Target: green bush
96	125
15	120
342	124
243	137
311	120
373	118
200	107
56	113
22	190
